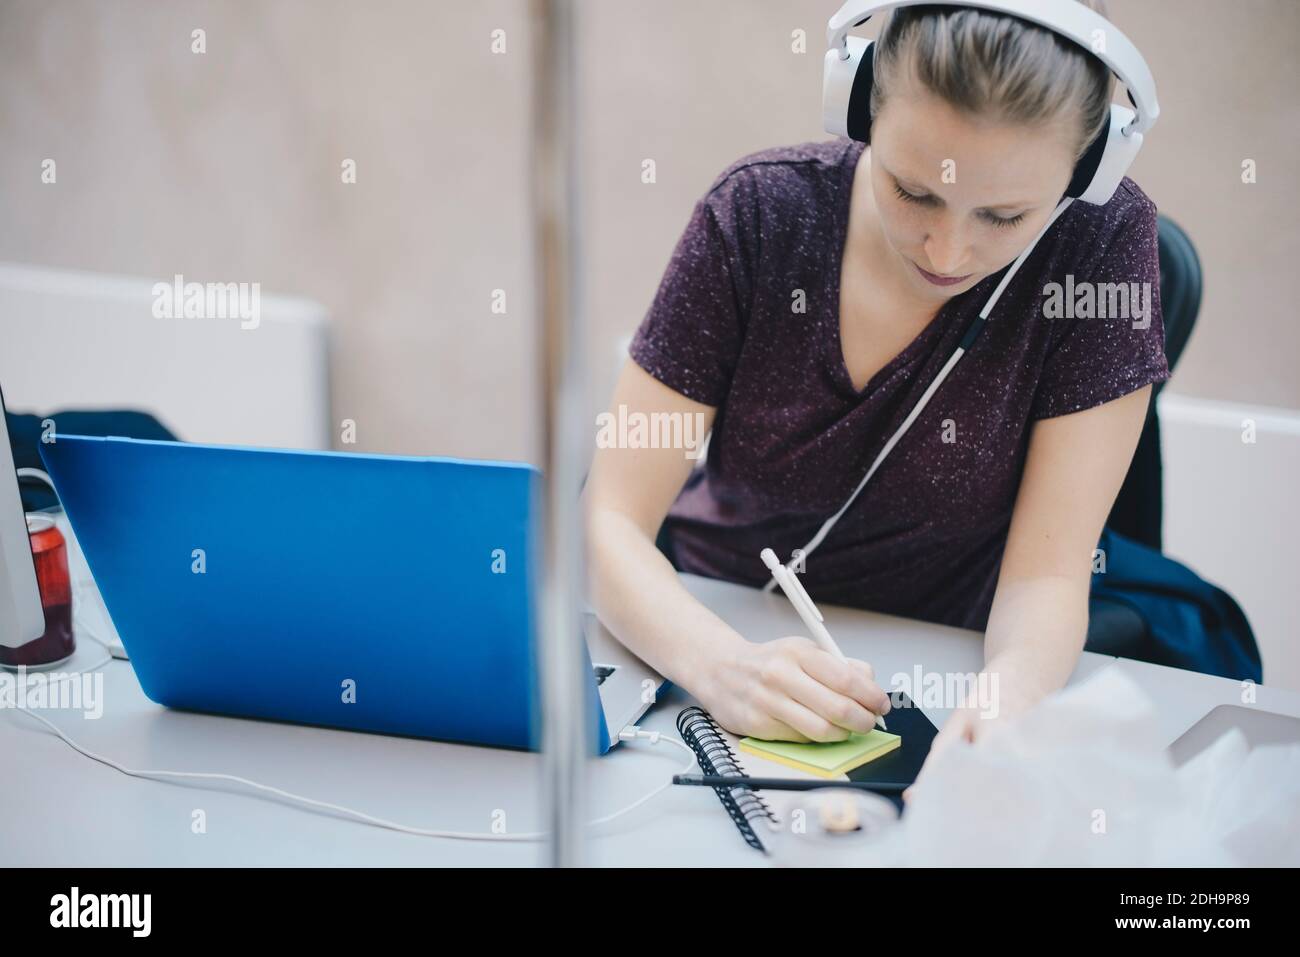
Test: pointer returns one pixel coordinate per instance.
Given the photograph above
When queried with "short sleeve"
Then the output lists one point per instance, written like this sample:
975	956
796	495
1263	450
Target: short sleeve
690	338
1108	335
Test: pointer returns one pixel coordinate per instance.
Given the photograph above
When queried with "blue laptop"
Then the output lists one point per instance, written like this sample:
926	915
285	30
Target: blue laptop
377	593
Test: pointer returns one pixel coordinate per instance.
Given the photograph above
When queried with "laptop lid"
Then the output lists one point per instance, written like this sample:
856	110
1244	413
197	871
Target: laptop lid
1260	729
378	593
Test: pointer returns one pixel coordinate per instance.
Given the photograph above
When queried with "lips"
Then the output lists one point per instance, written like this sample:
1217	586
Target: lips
942	280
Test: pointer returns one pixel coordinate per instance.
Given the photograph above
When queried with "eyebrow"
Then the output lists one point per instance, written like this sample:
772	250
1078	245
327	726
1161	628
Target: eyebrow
1003	207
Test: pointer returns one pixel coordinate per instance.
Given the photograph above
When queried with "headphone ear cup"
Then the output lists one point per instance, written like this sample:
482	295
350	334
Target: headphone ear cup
1101	168
846	90
1086	169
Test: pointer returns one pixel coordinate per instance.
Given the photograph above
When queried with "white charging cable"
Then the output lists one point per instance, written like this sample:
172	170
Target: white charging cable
628	734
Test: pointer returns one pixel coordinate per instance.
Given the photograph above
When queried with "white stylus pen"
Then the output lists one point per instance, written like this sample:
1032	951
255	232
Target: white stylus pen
803	604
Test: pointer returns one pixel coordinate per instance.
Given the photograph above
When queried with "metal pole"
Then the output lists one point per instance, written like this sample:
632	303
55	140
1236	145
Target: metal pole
565	728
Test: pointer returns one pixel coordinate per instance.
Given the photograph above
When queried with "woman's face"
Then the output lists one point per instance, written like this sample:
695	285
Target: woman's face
959	197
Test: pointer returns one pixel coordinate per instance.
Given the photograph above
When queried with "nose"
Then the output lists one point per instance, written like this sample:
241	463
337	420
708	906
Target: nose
947	250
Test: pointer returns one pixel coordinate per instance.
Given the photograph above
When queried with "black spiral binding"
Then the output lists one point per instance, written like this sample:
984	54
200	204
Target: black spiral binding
705	738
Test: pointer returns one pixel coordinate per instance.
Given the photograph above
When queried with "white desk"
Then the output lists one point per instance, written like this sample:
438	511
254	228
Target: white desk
62	809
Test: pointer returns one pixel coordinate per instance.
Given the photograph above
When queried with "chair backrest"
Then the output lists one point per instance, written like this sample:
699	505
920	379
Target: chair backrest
1180	287
1138	511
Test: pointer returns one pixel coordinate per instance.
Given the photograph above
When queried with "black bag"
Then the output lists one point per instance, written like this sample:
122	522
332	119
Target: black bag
1187	622
25	433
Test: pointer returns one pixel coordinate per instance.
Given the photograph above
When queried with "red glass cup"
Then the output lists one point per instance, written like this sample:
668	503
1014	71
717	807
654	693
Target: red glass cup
50	555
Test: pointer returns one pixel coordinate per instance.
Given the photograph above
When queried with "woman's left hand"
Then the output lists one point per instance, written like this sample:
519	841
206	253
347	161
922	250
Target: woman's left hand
968	723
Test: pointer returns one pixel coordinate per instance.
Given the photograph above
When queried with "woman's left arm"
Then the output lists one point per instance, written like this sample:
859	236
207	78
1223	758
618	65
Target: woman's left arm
1039	620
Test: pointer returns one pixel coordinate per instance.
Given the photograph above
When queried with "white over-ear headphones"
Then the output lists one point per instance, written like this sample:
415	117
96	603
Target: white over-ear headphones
848	75
846	96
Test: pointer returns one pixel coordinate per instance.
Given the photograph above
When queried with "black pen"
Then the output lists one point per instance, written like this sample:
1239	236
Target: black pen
784	784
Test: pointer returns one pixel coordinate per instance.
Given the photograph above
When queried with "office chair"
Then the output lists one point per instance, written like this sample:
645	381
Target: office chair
1138	510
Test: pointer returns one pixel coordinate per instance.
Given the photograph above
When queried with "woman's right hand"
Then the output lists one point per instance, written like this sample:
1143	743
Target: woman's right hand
790	690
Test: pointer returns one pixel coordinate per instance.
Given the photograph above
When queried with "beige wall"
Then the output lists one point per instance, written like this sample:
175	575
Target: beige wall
225	167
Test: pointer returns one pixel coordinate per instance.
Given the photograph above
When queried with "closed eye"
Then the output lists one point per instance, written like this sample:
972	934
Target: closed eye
1001	222
912	197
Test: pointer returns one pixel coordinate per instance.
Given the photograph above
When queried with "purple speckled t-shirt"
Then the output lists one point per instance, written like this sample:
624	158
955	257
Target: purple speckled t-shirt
792	437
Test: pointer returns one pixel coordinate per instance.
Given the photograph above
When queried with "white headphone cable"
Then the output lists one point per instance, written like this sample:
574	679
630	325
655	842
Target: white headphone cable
912	416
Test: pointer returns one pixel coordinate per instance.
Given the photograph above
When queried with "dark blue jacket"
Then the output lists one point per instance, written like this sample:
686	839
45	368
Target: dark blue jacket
1189	623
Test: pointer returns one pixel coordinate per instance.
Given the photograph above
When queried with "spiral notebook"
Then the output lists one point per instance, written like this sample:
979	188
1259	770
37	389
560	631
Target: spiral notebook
718	752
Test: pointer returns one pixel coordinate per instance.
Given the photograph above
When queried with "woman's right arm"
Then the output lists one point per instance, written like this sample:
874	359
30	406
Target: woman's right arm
787	689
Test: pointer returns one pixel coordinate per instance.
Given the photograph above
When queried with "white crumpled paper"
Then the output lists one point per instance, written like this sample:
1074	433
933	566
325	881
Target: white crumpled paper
1085	779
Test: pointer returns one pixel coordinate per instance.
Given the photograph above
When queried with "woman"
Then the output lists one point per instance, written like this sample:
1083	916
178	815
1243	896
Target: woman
817	291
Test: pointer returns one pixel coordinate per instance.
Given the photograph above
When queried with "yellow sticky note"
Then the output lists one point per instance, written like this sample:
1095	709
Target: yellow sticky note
829	759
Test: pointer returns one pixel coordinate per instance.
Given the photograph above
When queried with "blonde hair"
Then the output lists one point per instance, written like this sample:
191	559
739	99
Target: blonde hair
992	64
